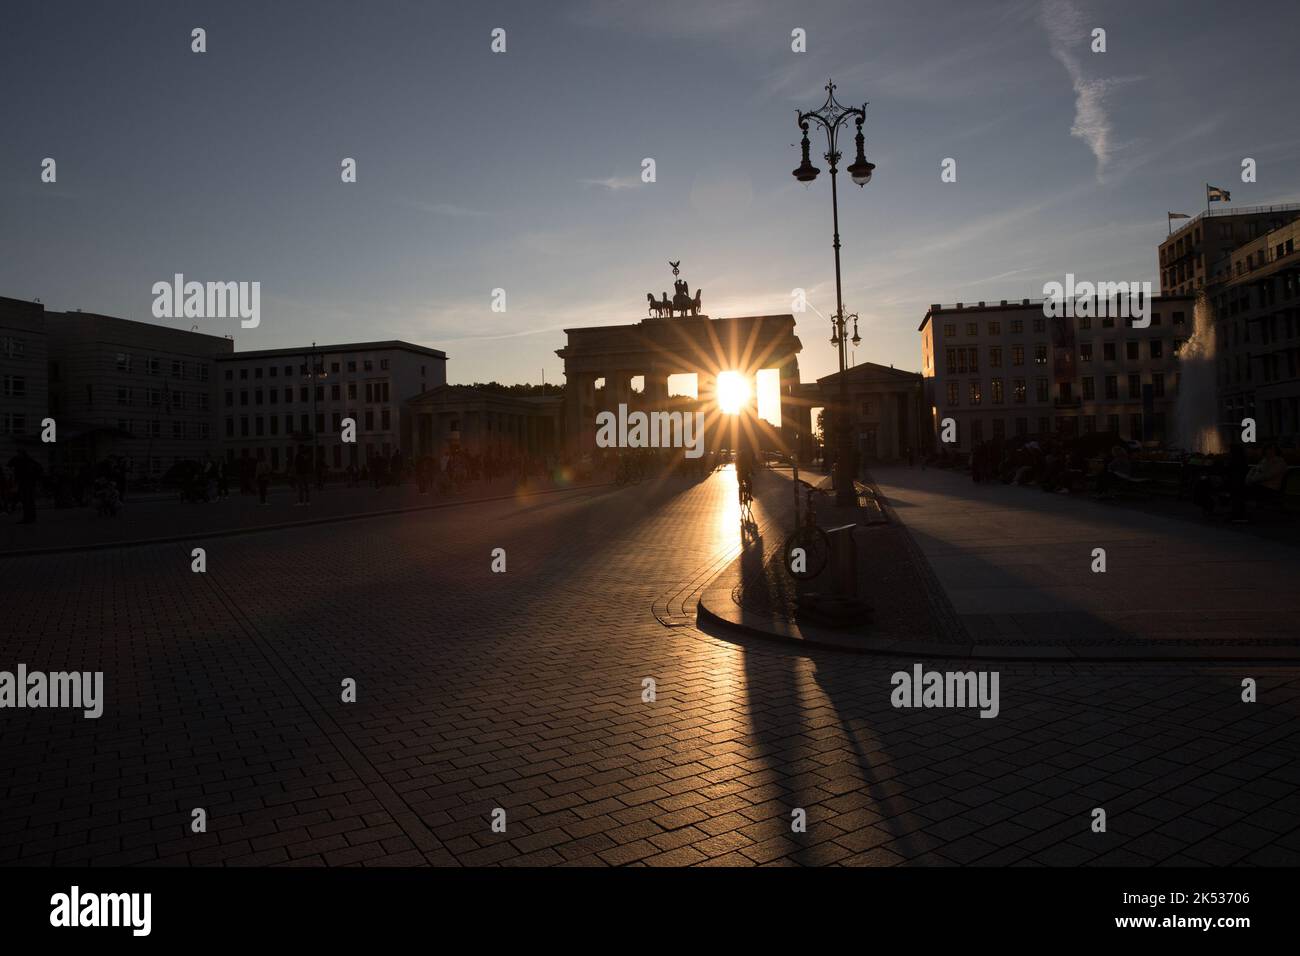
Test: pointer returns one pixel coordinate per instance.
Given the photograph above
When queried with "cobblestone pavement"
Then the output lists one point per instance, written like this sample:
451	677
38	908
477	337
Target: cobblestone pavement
524	691
1017	564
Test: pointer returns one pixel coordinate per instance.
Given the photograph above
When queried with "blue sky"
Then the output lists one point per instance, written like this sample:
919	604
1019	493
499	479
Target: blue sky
521	170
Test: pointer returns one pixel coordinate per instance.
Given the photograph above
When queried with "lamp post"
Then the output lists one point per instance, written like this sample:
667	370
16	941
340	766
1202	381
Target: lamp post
315	373
831	116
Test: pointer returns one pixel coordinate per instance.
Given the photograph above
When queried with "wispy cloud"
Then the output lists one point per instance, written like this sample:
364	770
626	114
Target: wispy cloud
1066	30
613	183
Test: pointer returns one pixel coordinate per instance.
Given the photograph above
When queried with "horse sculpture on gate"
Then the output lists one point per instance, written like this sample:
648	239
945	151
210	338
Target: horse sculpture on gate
680	303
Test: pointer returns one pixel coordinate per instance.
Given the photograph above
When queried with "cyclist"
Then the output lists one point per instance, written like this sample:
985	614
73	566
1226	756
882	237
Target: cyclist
745	473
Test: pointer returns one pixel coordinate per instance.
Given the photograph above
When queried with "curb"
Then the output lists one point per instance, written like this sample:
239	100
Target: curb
884	647
200	535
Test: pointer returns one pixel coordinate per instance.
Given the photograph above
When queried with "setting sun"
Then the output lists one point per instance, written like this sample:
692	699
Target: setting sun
733	392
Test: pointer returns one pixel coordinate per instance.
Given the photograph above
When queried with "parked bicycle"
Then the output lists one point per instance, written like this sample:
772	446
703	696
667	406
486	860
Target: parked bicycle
808	548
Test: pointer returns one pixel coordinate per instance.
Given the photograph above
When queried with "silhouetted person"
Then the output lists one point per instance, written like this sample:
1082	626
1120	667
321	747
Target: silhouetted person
302	475
26	474
1238	468
263	479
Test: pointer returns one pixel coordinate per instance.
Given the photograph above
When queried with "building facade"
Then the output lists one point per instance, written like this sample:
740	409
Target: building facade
24	398
1255	303
481	421
1199	252
272	402
887	420
136	390
1007	369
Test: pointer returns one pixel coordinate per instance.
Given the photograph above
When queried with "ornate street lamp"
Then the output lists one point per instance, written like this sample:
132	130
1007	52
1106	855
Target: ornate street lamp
831	116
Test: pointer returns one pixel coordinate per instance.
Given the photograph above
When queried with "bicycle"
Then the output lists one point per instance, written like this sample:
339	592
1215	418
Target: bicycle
808	548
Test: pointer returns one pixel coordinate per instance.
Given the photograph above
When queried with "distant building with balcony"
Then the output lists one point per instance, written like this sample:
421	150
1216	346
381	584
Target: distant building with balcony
1006	369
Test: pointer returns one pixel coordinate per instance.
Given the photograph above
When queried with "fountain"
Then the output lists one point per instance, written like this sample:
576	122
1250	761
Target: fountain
1195	408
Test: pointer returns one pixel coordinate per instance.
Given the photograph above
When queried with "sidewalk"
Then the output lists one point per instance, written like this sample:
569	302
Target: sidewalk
993	571
755	595
155	519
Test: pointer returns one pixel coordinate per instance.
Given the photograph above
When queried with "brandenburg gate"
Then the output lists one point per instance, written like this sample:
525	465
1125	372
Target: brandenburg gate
677	339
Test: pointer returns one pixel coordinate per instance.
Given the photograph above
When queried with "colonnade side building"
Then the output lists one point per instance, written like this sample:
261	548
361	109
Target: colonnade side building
274	401
1006	369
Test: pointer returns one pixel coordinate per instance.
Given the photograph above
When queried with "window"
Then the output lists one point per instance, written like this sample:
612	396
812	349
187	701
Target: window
257	372
995	328
288	370
1135	426
1135	385
1022	426
996	391
15	386
972	328
949	354
259	426
367	365
1112	390
1017	355
352	391
302	394
230	375
1085	352
243	374
370	421
1040	325
1040	354
230	428
1040	390
1017	325
257	397
243	397
320	393
383	365
999	428
123	362
352	366
1131	351
1158	384
275	424
1112	424
178	369
336	392
334	367
243	426
977	431
1085	323
949	330
1157	348
1108	351
995	357
124	396
1089	389
272	372
1018	391
972	360
952	393
385	422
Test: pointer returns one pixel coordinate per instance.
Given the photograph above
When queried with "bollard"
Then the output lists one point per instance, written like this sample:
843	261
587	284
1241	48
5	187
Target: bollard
844	561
